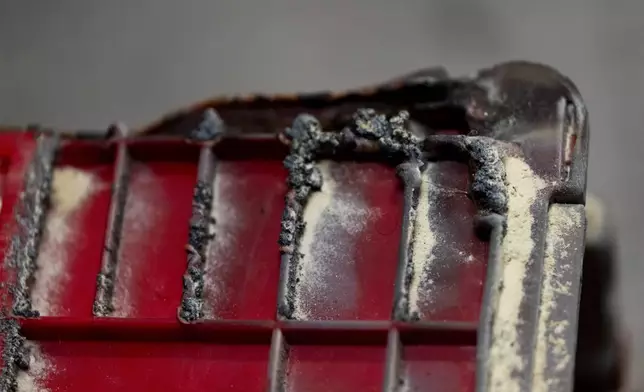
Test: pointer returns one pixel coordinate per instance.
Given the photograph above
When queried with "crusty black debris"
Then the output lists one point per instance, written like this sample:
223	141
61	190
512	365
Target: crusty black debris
306	139
30	217
105	290
392	134
388	135
209	128
15	354
488	183
193	280
487	186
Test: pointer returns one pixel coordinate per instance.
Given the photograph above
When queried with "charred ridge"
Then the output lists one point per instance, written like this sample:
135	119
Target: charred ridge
199	235
429	86
487	170
15	354
389	136
488	187
30	216
201	226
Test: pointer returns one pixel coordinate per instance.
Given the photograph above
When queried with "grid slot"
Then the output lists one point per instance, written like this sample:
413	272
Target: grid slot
444	266
344	360
350	245
444	368
437	357
73	237
156	216
242	267
314	368
149	365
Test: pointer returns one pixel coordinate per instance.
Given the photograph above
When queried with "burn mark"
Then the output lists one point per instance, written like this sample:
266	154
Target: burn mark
373	132
410	174
487	186
15	354
30	217
210	127
199	237
391	134
390	138
193	280
307	139
488	176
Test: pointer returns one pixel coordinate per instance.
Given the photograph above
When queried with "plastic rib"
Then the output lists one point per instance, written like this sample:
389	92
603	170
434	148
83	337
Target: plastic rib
106	278
276	362
394	358
200	234
401	300
488	302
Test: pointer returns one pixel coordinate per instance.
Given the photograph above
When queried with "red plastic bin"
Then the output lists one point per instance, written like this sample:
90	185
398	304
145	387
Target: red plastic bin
161	263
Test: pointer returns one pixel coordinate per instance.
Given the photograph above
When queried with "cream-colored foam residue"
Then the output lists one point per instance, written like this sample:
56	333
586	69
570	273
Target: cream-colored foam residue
562	219
40	366
334	218
70	188
523	188
317	204
226	215
424	240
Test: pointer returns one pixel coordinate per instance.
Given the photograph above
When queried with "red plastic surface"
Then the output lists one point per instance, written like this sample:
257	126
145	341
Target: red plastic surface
355	246
458	270
438	368
70	252
157	208
144	347
317	368
155	366
249	199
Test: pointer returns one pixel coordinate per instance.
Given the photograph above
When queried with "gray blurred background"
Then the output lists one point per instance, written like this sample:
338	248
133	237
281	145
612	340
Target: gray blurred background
87	63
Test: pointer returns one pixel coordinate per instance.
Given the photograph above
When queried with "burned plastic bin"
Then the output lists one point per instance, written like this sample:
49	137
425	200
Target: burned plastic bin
426	234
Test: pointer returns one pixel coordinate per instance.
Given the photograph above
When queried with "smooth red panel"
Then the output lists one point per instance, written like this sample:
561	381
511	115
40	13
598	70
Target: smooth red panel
335	368
438	368
152	258
242	271
453	281
74	234
151	366
349	267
